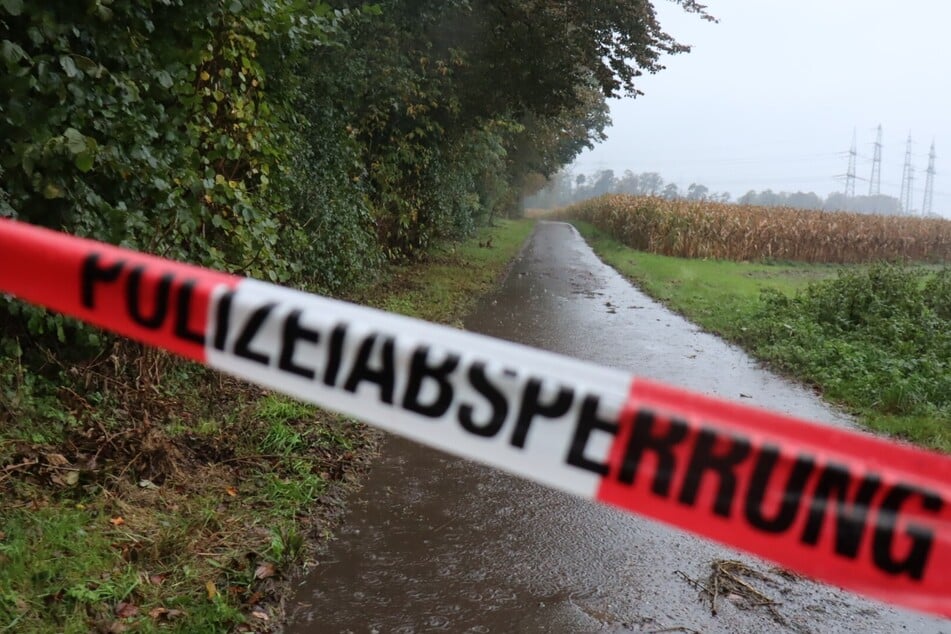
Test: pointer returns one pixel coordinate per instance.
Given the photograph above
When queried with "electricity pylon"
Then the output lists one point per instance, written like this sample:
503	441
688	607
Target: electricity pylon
907	179
926	203
875	182
850	174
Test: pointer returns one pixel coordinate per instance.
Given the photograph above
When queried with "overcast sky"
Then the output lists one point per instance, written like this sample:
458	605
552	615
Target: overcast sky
770	95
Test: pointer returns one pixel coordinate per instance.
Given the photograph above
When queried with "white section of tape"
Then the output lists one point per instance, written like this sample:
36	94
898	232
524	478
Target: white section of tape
270	343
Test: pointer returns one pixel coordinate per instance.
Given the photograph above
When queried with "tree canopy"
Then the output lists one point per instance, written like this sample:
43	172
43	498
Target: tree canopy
303	141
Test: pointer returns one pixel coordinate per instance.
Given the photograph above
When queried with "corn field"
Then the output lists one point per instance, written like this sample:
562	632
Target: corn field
702	229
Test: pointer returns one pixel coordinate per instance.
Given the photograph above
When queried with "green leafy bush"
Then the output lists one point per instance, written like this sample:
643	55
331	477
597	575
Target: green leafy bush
878	339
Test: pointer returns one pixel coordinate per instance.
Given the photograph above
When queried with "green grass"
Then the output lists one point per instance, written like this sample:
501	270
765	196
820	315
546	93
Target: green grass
719	295
149	496
52	563
875	339
446	286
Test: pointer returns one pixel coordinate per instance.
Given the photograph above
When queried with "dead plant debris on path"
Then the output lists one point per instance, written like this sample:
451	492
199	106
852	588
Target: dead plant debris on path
734	580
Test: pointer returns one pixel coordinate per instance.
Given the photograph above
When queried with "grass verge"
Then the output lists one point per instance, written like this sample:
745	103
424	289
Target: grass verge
445	286
719	295
141	493
873	338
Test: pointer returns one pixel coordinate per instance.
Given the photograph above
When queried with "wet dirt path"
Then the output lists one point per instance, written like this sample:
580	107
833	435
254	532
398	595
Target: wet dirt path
438	543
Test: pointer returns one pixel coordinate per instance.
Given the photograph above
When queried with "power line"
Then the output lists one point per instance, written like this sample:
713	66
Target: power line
724	161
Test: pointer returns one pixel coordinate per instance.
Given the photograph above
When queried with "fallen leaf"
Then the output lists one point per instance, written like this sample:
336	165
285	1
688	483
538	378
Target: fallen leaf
147	484
65	479
126	610
117	521
157	580
165	614
211	589
233	492
116	628
56	459
264	570
258	614
3	536
255	598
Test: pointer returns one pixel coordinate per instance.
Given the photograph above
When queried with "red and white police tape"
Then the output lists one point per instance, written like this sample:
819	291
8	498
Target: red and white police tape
840	506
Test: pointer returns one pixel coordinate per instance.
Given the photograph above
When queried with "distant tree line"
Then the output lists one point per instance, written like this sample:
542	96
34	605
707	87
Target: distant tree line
564	189
836	201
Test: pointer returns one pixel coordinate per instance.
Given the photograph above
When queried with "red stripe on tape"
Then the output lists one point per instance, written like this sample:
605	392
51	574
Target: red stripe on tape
147	298
844	507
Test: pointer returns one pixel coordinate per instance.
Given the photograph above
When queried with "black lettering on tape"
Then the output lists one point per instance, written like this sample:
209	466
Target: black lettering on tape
644	440
384	376
883	544
705	459
135	300
223	319
291	333
242	347
92	273
183	310
589	421
850	516
789	500
419	372
532	407
492	394
335	354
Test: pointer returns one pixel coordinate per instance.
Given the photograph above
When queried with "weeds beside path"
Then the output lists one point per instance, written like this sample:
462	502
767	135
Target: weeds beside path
148	494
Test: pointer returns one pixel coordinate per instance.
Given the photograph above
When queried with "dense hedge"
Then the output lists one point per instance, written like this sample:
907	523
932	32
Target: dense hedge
167	126
297	141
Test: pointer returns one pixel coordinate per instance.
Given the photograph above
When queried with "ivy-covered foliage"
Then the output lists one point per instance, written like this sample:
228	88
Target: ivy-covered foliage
233	133
151	124
298	141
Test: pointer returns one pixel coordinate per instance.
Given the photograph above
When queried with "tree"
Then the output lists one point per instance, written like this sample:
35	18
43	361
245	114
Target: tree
671	192
749	198
629	183
803	200
412	118
651	183
697	192
604	183
529	55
